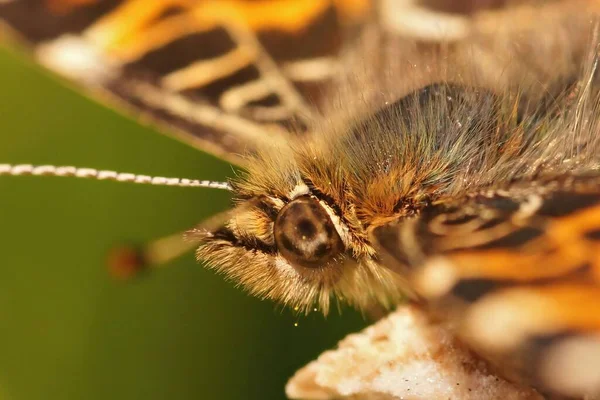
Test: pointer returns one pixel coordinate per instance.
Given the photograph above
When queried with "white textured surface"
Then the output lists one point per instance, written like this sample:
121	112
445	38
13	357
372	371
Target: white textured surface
401	357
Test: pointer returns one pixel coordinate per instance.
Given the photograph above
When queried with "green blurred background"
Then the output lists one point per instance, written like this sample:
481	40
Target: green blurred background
66	330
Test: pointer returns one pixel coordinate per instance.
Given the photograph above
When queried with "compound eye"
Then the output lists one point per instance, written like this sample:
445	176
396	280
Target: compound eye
305	235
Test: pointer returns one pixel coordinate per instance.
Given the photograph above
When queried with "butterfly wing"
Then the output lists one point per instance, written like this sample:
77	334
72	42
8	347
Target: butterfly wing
225	76
517	273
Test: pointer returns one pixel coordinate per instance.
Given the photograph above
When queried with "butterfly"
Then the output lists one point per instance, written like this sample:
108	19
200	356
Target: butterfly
469	186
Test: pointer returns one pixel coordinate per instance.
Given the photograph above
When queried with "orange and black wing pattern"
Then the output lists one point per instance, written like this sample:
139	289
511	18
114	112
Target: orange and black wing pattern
224	76
516	272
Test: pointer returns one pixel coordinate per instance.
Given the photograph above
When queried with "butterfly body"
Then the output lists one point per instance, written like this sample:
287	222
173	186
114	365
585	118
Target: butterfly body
408	229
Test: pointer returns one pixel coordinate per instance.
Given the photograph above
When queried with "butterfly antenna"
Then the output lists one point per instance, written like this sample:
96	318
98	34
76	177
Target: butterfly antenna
130	261
104	175
126	262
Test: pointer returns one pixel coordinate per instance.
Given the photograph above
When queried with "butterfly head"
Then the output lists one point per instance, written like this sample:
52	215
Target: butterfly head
289	241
